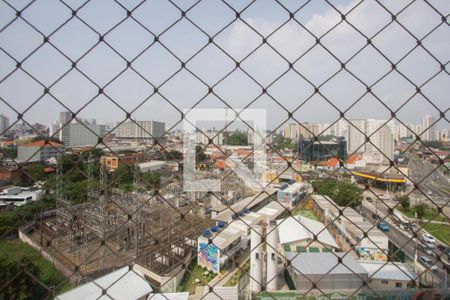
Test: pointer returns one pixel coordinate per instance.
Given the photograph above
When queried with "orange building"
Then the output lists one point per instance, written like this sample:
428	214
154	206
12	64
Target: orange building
113	161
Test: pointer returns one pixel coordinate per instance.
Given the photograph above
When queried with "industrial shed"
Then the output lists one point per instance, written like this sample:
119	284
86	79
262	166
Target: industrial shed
325	271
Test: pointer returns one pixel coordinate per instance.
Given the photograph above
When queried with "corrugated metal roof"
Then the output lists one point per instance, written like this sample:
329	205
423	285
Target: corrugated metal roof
389	271
169	296
300	228
120	284
324	263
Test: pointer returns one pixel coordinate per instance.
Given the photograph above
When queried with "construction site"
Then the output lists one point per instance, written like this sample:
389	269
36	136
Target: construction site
117	228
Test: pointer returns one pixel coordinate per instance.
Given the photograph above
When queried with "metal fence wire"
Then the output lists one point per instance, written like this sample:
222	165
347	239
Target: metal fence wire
160	59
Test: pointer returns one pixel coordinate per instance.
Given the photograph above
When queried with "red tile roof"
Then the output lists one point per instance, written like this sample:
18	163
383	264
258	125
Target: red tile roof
41	143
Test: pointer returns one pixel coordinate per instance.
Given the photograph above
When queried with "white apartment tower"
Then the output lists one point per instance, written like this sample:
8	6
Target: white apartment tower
381	139
4	124
428	128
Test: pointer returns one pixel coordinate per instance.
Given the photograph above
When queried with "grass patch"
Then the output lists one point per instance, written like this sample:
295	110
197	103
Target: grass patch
441	232
429	214
13	251
238	274
194	271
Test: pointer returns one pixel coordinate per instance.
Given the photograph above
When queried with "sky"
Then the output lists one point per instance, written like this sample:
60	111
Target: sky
153	62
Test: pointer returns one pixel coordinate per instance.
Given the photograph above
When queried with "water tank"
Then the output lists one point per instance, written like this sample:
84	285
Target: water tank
215	229
206	233
221	224
272	257
256	259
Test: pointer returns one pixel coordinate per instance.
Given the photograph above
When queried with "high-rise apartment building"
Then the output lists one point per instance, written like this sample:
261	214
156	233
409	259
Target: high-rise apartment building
140	130
380	133
65	117
428	128
4	124
80	134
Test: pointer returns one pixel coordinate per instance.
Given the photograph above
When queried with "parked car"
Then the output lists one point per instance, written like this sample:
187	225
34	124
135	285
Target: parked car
428	237
442	248
369	199
428	263
425	249
375	216
383	226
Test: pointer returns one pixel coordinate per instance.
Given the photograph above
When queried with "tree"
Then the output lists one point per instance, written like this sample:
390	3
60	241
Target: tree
420	210
432	144
200	155
22	285
35	172
404	201
343	192
173	154
237	138
152	180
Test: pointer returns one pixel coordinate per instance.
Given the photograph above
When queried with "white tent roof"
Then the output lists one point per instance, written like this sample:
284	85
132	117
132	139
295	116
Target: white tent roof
389	271
169	296
293	229
120	284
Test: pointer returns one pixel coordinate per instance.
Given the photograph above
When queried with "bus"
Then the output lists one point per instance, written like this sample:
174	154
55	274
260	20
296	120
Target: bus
401	220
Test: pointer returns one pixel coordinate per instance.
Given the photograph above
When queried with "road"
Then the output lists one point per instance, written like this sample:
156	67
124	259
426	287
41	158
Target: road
433	180
400	237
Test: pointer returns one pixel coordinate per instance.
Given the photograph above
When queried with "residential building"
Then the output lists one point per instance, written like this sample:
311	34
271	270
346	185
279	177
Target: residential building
65	117
4	124
39	151
140	130
113	161
203	137
380	133
428	128
80	134
290	194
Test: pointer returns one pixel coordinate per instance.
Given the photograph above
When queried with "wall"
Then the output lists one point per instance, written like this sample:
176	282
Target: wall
28	154
376	284
74	278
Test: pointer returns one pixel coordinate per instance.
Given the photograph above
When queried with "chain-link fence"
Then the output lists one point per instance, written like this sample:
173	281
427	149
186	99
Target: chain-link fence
341	191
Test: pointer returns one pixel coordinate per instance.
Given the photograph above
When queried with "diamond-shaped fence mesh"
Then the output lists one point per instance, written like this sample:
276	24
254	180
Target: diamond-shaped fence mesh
218	149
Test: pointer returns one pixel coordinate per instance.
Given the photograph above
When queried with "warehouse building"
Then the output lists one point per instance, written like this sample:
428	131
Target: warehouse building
325	271
297	235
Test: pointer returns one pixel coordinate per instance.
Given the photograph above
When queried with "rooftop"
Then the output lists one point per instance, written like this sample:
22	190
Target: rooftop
300	228
320	263
120	284
42	143
388	271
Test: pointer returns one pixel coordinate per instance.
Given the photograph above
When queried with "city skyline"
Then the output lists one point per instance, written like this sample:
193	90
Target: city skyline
129	90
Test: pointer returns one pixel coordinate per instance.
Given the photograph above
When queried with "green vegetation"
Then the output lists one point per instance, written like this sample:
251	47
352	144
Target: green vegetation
237	138
200	155
343	192
428	213
14	254
173	154
234	279
10	221
279	143
326	137
433	144
404	201
420	210
439	231
9	152
193	272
